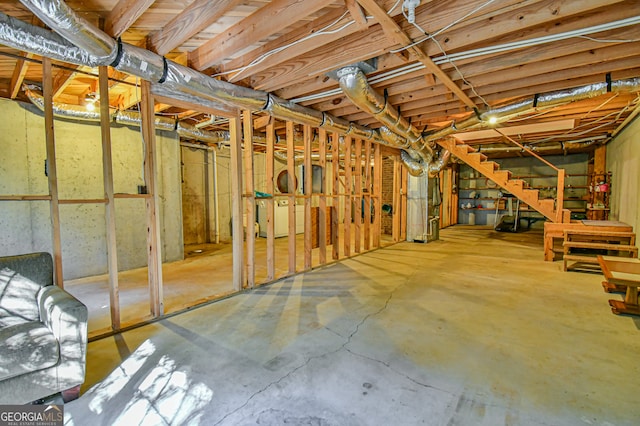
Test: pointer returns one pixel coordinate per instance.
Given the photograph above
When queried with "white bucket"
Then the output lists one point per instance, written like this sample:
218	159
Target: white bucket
472	218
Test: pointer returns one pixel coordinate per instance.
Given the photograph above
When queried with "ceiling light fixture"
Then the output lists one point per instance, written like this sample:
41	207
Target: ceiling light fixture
90	101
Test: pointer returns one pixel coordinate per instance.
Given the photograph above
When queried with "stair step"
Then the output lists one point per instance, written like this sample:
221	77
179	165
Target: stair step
503	174
515	184
490	165
530	195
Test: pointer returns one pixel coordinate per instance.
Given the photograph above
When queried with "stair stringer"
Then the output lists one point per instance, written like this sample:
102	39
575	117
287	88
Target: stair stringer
502	178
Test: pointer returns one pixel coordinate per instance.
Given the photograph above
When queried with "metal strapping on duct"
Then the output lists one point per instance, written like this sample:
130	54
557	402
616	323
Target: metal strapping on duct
131	118
93	47
417	155
534	104
185	81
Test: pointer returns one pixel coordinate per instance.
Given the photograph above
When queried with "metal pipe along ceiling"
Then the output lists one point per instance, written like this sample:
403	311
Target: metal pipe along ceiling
84	44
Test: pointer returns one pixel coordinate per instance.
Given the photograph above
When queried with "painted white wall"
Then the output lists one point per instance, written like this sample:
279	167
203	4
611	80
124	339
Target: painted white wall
623	160
25	226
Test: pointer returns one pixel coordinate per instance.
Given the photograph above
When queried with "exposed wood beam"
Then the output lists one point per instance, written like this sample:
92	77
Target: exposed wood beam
266	21
110	209
124	14
154	248
195	18
356	13
394	32
19	72
52	175
300	47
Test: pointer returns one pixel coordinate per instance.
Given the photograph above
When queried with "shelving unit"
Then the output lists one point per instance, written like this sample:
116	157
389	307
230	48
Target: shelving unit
598	197
477	196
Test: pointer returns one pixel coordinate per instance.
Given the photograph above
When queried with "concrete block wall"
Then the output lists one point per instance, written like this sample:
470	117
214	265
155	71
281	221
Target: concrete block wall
26	225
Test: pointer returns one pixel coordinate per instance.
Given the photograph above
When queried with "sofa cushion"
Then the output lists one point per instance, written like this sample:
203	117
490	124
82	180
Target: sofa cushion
26	347
18	298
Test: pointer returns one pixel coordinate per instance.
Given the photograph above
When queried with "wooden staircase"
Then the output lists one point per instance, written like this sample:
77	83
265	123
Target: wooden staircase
502	178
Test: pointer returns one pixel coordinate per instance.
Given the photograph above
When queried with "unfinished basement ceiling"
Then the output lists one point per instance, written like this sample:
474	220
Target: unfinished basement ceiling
477	55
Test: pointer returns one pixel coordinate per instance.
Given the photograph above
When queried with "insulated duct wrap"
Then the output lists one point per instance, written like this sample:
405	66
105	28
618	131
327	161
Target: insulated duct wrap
137	61
133	118
22	36
189	131
57	15
191	82
164	91
286	110
334	124
414	167
92	47
355	86
74	112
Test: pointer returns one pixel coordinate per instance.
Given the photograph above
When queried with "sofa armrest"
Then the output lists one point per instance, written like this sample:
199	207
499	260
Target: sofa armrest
67	318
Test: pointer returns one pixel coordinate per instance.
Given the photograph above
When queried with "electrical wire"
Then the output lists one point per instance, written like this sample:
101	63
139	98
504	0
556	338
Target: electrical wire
324	31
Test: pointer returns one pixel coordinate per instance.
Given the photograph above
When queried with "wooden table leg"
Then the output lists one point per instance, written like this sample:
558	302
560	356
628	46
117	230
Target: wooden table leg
630	304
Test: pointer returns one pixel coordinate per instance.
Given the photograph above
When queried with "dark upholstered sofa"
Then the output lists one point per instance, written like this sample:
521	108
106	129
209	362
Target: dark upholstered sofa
43	332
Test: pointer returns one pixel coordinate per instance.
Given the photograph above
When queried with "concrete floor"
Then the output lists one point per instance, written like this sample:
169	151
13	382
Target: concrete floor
474	329
204	275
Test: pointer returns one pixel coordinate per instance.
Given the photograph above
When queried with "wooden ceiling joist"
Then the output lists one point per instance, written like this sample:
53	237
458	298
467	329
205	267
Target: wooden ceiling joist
267	21
124	14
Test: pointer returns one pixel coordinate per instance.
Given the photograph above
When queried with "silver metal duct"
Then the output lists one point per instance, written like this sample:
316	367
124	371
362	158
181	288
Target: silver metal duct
131	118
536	103
416	154
184	82
22	36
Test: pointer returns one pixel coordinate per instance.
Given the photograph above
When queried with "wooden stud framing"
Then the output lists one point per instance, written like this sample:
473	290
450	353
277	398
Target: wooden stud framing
270	203
47	88
322	202
110	208
335	219
367	195
291	190
250	200
403	203
154	251
357	216
235	141
396	212
348	200
308	188
377	195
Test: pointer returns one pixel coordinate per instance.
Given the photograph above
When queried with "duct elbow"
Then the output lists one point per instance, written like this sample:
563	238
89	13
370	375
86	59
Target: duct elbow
436	166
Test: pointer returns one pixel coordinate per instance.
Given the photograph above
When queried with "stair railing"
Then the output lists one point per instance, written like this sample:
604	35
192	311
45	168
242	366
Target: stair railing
561	176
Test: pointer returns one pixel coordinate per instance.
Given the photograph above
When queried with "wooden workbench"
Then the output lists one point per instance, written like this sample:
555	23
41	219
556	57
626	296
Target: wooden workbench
553	231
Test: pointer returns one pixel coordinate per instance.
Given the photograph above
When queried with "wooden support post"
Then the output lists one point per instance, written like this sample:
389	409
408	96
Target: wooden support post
397	187
322	202
52	171
335	218
367	195
308	189
110	208
291	190
403	203
250	200
235	142
154	250
377	195
348	199
357	216
270	203
560	196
